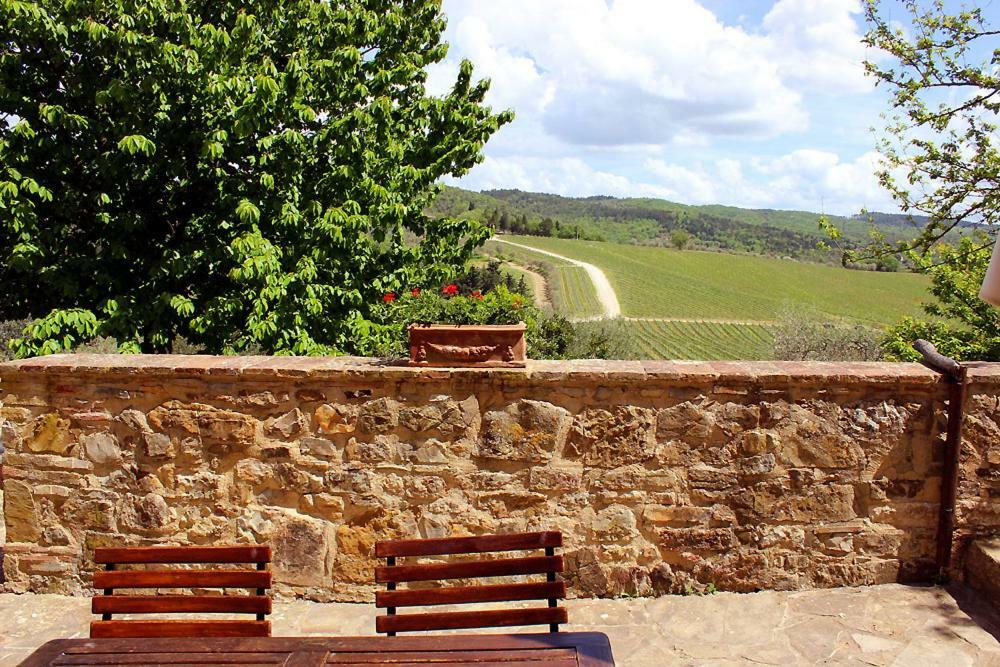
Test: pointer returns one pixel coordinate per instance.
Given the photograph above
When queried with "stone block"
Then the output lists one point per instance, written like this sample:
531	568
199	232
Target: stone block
49	433
304	551
553	479
661	515
615	523
380	416
443	416
287	425
20	512
214	426
101	447
613	438
982	568
698	539
356	554
320	448
333	419
529	431
148	514
157	445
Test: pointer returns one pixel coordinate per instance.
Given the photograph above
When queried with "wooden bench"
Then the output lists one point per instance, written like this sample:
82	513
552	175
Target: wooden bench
111	579
550	589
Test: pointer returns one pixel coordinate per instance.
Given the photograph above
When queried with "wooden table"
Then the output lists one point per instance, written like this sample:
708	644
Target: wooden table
563	649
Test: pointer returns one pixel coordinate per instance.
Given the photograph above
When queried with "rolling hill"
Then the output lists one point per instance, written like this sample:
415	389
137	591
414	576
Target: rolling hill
707	305
651	221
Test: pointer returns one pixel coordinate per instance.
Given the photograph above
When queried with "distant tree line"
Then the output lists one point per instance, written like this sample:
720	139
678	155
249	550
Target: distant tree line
505	222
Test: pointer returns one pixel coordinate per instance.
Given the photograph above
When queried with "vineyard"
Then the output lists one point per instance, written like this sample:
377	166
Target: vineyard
670	296
660	282
570	288
665	339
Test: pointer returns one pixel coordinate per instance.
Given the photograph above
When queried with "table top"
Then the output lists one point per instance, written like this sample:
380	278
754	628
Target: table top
560	649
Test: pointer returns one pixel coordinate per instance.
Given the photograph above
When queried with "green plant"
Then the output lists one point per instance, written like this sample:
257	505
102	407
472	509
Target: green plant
9	331
939	146
241	174
602	339
447	306
959	323
679	239
657	282
804	335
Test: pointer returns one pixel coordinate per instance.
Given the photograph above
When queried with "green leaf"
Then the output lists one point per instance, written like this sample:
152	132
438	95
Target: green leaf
247	212
136	143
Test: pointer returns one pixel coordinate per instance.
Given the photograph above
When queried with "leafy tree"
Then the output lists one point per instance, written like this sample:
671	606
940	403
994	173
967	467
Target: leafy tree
961	325
941	160
679	239
940	146
239	174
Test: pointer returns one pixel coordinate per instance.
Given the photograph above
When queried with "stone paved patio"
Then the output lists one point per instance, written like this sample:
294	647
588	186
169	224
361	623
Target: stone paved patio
879	625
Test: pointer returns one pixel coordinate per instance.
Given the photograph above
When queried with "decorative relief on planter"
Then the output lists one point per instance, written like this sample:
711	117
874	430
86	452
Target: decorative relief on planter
476	346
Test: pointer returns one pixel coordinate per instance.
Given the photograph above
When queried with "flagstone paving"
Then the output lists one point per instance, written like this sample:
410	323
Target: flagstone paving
878	625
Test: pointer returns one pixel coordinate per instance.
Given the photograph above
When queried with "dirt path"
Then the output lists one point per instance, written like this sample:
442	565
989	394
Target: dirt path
605	293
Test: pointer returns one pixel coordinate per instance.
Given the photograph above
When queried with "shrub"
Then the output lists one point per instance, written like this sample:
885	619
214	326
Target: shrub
488	277
805	336
549	336
602	339
10	330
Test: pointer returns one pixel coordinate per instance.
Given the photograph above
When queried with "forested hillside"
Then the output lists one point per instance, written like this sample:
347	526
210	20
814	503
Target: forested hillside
657	222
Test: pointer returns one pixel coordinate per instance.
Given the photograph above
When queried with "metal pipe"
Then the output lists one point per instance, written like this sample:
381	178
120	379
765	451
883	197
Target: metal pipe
957	376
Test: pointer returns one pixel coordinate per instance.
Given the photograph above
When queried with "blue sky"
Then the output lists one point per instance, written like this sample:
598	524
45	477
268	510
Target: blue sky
757	103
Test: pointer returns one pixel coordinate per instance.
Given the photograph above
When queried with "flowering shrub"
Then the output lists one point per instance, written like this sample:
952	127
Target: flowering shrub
447	306
549	336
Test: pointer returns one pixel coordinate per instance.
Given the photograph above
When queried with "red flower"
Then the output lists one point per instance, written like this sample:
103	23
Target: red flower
389	297
415	291
477	295
450	290
517	302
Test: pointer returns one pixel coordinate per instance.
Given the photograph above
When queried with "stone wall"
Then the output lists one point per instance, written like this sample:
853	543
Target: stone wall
663	476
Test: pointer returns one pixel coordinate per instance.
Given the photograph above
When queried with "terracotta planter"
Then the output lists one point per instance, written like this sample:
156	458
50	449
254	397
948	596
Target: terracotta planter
468	345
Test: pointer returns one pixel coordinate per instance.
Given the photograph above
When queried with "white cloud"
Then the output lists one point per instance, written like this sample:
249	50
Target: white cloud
817	46
805	179
570	177
632	72
635	97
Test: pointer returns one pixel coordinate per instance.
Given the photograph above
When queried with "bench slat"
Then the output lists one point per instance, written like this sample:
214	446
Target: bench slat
467	594
457	620
187	554
120	629
183	579
468	570
176	604
467	545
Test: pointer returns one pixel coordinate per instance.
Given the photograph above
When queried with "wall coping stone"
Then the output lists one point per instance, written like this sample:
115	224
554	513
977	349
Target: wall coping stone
361	368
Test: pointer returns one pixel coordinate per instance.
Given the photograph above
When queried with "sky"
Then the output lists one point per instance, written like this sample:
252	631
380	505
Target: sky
753	103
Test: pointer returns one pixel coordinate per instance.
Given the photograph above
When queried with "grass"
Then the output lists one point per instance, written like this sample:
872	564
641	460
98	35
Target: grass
700	340
661	282
572	289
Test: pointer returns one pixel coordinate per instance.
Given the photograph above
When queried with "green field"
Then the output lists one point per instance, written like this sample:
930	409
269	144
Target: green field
570	287
693	285
700	340
661	282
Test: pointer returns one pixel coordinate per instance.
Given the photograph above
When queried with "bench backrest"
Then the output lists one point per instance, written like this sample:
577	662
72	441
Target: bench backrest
113	579
550	588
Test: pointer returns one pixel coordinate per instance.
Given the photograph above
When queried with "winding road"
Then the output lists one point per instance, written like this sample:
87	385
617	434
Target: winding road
605	292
